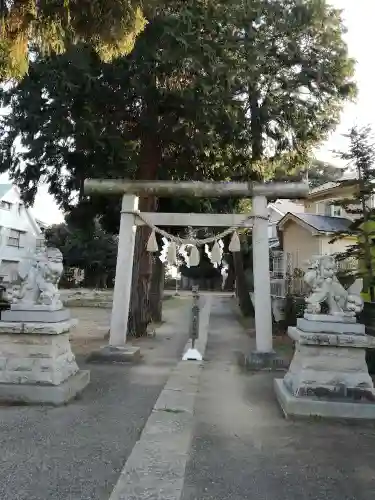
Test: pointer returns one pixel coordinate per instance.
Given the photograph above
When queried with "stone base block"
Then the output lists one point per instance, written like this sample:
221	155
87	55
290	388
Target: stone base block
331	318
112	354
329	372
39	328
36	359
338	327
328	377
22	306
310	407
35	316
30	394
264	361
330	339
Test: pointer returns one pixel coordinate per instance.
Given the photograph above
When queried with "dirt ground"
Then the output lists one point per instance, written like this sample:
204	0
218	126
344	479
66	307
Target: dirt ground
94	323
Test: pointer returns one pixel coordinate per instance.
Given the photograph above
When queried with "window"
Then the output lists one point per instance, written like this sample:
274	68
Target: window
321	208
333	210
40	243
5	205
8	271
14	238
336	211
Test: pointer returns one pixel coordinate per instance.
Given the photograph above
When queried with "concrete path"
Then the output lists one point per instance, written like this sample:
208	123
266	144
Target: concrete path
243	448
155	469
77	452
214	433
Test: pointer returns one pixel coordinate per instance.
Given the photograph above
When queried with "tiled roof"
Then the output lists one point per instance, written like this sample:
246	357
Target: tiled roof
347	179
325	223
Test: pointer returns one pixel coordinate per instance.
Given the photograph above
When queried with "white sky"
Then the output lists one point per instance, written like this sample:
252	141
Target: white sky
359	16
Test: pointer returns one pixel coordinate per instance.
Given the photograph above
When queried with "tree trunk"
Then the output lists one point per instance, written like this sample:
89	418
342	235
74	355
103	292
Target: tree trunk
242	291
229	283
90	279
157	290
255	126
140	314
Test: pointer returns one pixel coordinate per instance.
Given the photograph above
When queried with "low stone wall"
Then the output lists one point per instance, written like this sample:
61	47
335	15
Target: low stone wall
87	298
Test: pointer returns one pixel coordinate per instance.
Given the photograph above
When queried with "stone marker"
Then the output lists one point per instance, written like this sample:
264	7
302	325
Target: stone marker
328	376
36	361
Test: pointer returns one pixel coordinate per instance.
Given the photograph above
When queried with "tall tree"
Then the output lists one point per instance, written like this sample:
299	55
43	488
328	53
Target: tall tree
320	172
297	75
109	26
361	208
196	99
90	249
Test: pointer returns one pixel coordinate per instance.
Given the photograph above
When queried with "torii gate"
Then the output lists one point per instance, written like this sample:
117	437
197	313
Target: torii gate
130	190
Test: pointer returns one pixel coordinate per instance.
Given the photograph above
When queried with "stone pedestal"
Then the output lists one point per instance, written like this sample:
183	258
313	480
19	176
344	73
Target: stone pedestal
328	376
36	361
114	354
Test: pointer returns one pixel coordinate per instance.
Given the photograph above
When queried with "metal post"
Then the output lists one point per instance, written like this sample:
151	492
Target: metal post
193	354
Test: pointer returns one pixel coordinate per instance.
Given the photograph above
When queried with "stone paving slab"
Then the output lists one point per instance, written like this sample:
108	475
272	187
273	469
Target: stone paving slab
156	467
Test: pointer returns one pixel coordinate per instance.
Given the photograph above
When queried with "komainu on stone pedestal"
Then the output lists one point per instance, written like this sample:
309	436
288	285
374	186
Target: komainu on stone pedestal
35	304
328	375
321	277
40	275
37	363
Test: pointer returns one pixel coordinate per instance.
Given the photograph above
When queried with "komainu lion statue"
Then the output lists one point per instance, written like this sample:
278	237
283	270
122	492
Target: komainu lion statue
321	277
40	275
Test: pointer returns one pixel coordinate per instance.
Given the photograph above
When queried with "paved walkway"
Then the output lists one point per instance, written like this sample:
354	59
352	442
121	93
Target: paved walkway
243	448
214	433
77	452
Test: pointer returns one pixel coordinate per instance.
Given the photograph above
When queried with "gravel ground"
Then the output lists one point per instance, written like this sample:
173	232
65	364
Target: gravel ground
243	448
76	452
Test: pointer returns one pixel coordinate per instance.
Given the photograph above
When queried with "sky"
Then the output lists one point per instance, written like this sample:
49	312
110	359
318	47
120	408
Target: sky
359	16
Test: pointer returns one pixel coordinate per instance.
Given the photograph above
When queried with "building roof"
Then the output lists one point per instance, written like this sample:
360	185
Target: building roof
42	224
319	223
285	206
4	188
347	179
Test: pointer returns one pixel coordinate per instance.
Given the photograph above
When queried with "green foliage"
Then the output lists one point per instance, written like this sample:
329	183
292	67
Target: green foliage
320	172
92	249
108	26
296	75
212	90
361	159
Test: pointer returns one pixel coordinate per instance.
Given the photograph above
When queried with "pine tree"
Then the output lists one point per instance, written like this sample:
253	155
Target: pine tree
109	26
361	161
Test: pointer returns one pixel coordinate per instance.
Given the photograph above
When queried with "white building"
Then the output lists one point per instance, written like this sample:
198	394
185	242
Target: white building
19	231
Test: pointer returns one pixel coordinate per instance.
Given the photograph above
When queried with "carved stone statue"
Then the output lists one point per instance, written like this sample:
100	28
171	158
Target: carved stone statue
321	277
40	275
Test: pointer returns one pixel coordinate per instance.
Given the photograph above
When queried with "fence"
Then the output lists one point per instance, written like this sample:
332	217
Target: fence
287	271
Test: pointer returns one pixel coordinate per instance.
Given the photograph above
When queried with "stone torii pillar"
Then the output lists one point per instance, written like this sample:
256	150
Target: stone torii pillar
130	190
